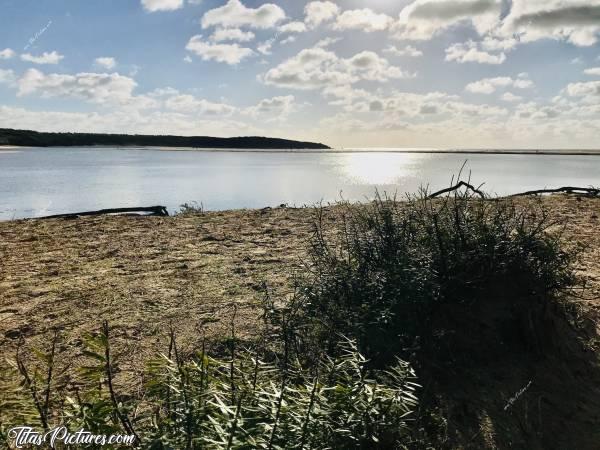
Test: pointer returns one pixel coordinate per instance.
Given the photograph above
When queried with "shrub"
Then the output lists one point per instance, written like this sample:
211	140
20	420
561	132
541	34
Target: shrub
395	277
205	403
192	208
393	270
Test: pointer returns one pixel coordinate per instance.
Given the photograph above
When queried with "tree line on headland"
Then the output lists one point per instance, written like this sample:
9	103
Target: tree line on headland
28	138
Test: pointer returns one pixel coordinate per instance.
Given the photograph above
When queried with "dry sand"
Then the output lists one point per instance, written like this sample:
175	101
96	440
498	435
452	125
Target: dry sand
143	273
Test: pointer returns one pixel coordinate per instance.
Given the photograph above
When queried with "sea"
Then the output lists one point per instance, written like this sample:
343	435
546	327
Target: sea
36	182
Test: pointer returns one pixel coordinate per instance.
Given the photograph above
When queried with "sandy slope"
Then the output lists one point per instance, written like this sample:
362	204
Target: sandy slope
142	273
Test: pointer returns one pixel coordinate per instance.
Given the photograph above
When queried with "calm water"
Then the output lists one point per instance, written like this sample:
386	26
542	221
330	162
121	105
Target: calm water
36	182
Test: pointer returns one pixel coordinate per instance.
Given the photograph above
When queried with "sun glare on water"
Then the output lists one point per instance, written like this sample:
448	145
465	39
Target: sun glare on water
378	168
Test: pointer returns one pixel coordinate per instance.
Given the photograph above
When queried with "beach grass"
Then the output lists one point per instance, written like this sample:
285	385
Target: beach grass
447	297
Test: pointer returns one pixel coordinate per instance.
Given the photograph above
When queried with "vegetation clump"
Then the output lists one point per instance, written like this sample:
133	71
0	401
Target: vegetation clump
429	281
199	402
398	275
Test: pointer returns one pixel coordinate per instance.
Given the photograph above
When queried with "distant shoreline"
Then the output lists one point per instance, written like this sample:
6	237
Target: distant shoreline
31	138
551	152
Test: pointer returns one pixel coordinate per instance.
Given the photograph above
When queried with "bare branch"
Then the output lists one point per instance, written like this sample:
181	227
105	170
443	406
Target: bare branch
160	211
565	189
456	187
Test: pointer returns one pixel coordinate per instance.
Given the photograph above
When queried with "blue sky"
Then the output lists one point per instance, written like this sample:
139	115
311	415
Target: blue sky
422	73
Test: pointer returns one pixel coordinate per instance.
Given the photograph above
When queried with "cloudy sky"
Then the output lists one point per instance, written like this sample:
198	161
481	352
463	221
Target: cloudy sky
377	73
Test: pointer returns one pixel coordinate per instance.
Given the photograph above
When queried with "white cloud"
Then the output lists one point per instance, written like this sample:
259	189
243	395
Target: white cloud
310	69
234	14
594	71
505	130
495	44
278	108
326	42
317	13
587	89
580	106
162	5
533	111
370	66
7	76
423	19
315	68
489	85
190	104
232	34
46	58
574	20
164	92
231	54
396	106
468	52
523	83
409	50
362	19
106	62
264	48
510	97
98	88
349	97
125	121
481	87
187	59
293	27
288	40
7	53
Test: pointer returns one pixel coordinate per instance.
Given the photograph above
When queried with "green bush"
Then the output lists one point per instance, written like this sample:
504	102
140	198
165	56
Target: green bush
203	403
192	208
394	277
392	268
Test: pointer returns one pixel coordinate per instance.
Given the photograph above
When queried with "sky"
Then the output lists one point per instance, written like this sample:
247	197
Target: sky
348	73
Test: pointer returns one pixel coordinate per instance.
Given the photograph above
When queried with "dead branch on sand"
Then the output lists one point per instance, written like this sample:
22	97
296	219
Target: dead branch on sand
456	187
565	189
149	210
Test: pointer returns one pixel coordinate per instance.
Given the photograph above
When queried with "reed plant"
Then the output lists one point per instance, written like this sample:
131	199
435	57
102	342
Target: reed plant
200	402
384	283
385	272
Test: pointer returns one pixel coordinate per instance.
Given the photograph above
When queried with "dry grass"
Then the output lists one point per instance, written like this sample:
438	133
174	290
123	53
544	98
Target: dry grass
141	274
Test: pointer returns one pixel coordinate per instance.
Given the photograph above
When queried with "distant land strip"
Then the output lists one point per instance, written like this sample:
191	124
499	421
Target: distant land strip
424	151
494	151
29	138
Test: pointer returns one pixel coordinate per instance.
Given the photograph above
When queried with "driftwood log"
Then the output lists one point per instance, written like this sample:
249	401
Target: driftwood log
456	187
161	211
566	189
149	210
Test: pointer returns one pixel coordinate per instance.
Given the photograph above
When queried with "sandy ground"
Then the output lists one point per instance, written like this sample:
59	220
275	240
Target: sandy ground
144	273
